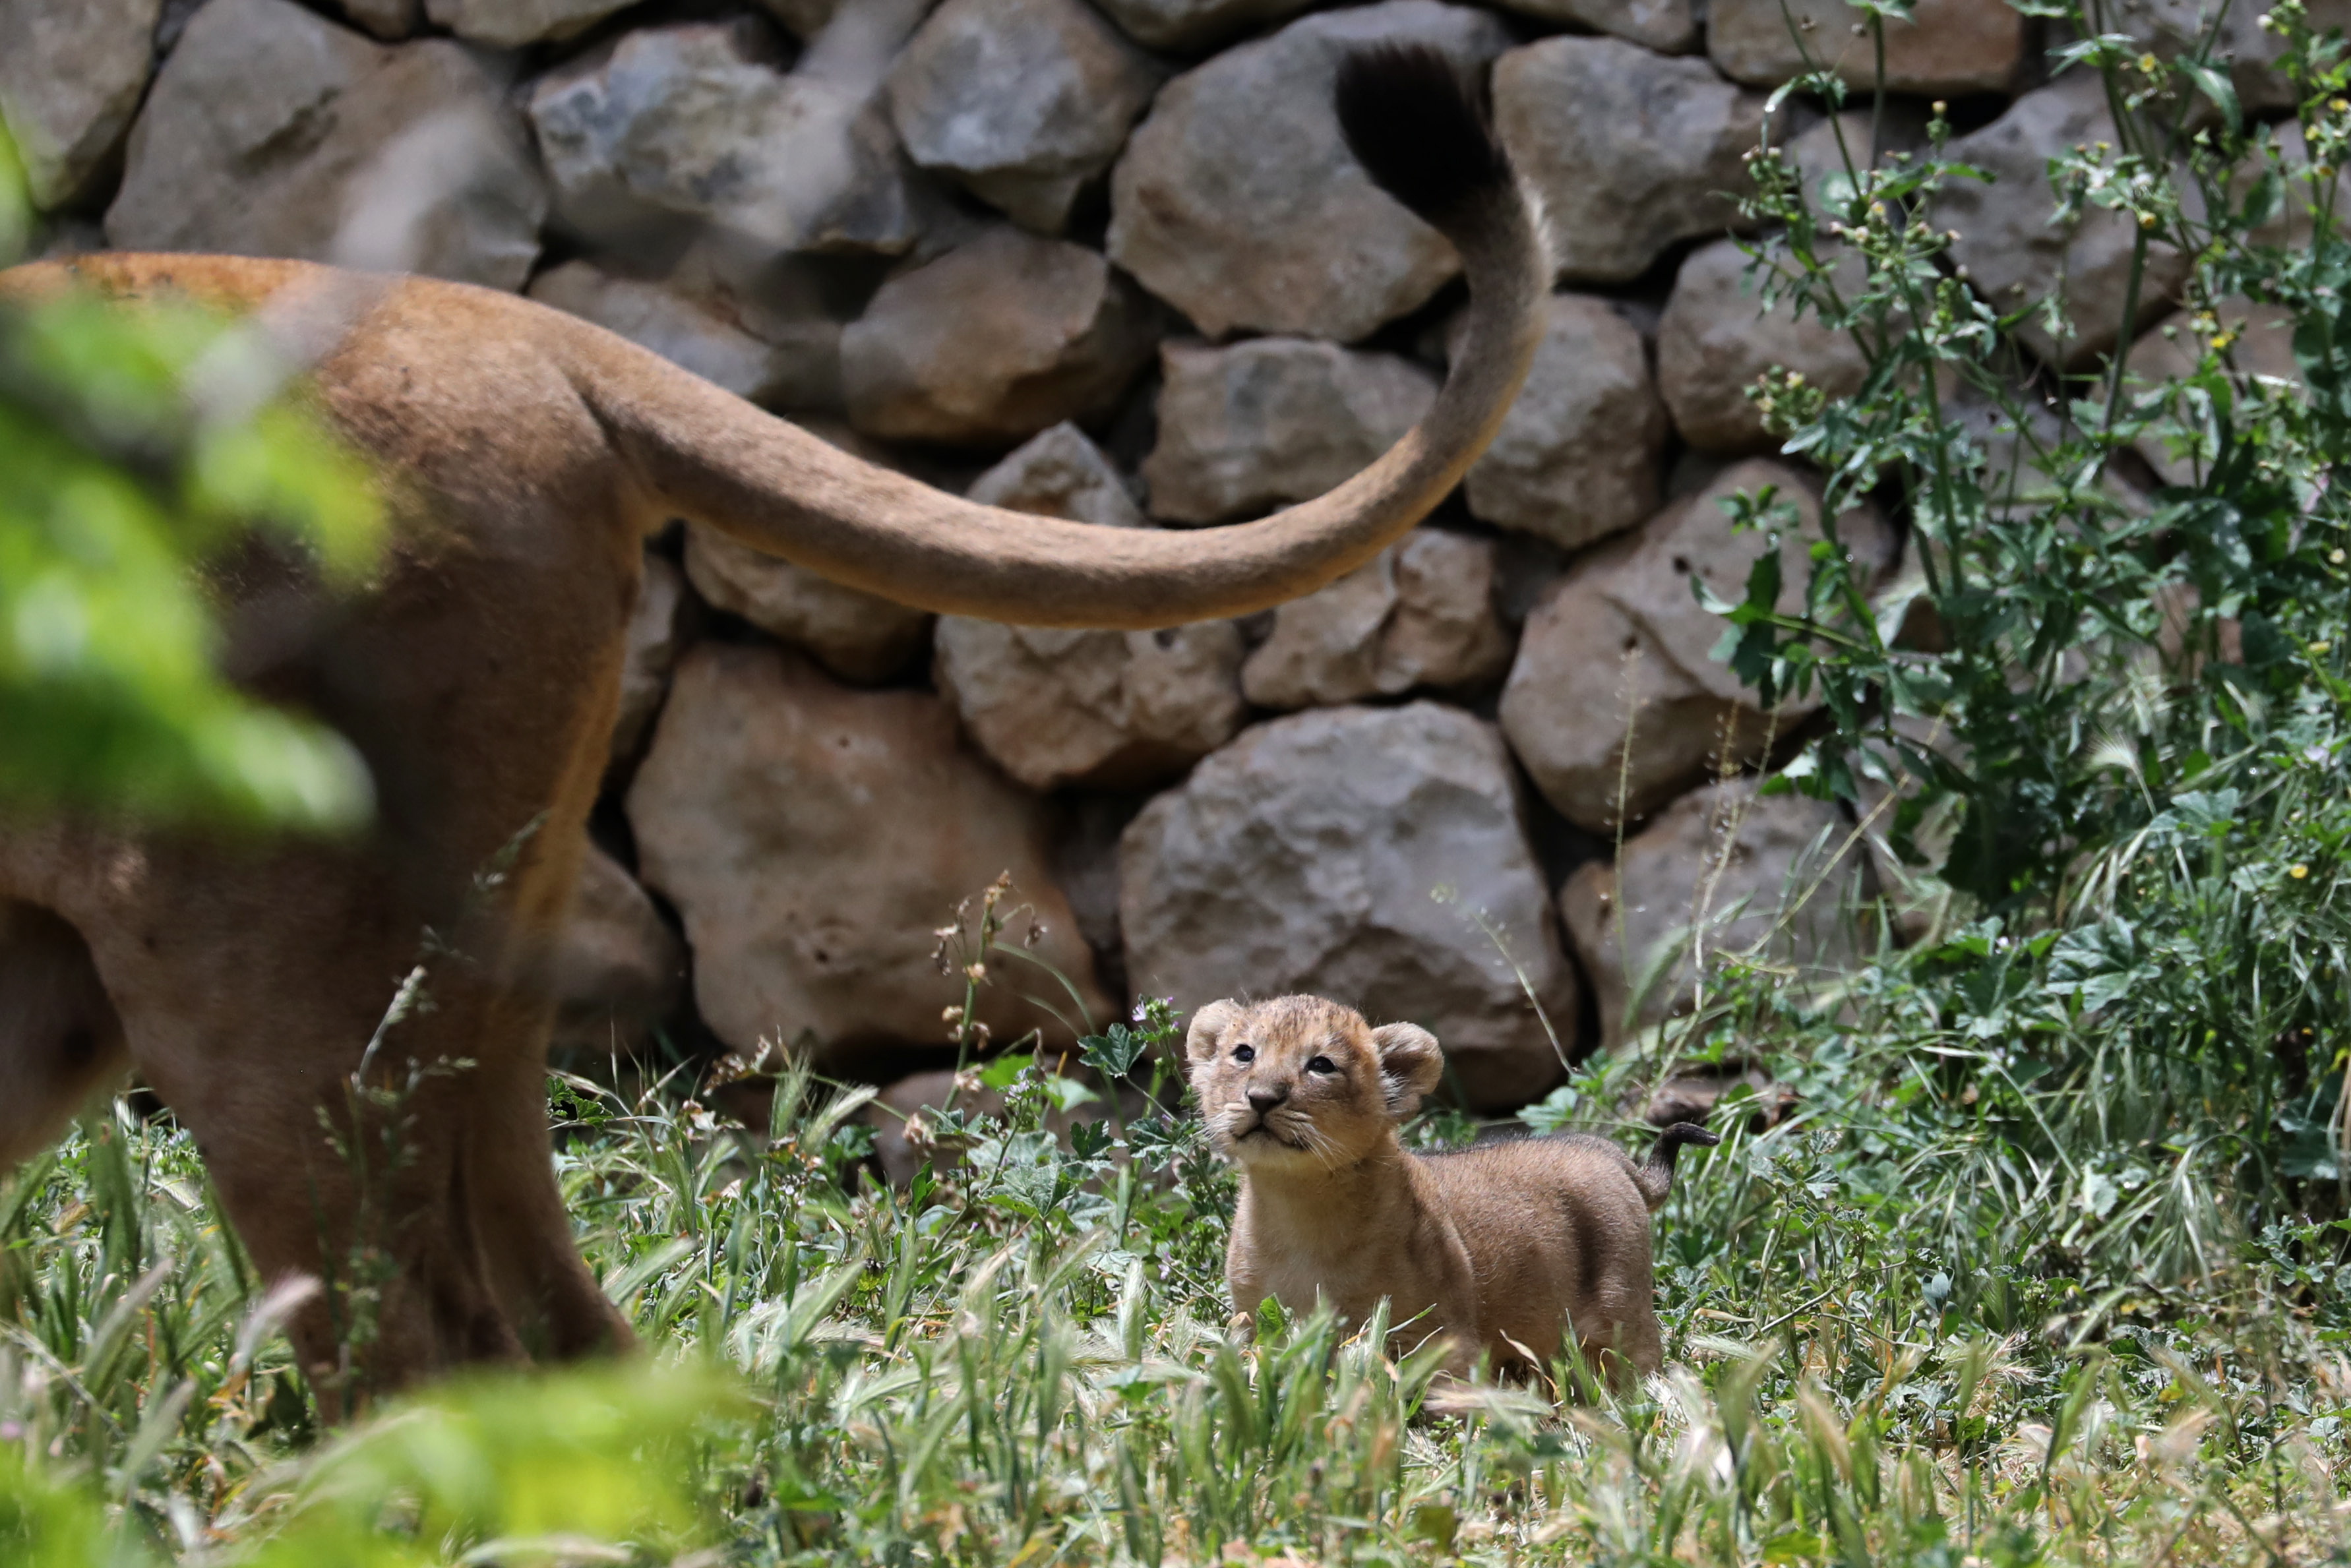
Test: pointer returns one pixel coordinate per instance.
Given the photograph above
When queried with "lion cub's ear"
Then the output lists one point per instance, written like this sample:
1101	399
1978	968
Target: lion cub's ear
1410	1063
1209	1026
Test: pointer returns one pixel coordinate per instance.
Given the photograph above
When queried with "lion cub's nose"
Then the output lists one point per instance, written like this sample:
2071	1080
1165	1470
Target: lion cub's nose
1265	1100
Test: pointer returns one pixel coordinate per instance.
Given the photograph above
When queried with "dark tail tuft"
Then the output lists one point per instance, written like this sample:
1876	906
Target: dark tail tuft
1420	129
1655	1176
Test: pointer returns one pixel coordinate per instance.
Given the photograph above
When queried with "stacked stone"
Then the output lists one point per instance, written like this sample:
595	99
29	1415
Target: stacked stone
1109	262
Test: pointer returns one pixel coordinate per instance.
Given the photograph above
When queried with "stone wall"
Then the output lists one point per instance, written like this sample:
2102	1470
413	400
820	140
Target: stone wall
1109	262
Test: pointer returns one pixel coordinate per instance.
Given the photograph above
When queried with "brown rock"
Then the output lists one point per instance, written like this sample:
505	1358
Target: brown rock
1717	339
70	75
1420	615
1631	151
2015	255
1946	47
1616	704
1191	27
1243	429
1916	896
390	20
511	24
2259	343
856	635
1578	456
1668	26
906	1115
804	371
1236	203
994	341
271	132
1723	874
813	836
802	18
1695	1096
1026	150
649	655
1311	856
619	969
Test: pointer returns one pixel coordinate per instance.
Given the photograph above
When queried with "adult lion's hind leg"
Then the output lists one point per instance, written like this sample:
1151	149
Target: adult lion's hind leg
60	1040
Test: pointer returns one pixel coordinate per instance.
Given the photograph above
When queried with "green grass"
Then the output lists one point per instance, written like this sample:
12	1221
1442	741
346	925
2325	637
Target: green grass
1893	1335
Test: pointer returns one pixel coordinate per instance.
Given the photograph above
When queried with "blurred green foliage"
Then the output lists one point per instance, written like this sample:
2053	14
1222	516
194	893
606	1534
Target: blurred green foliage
118	486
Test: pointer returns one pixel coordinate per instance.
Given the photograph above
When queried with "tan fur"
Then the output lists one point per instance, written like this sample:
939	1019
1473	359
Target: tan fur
527	455
1508	1248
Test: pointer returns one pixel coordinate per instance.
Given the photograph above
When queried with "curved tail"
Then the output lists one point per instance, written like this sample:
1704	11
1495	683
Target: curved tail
1418	130
1655	1176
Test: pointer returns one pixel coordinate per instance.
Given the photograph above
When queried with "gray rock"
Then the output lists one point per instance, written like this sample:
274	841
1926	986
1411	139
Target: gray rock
1311	855
1616	704
61	238
994	341
1578	456
2016	256
649	654
511	24
1193	26
2172	28
1669	27
1027	150
1631	151
1422	614
800	374
70	75
1059	472
855	634
2304	207
1271	420
813	837
695	120
1118	709
1722	873
1716	339
1237	202
2014	437
619	969
1946	47
271	132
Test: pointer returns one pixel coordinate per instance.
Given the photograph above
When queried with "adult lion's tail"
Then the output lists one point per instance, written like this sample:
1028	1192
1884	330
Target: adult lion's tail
1419	132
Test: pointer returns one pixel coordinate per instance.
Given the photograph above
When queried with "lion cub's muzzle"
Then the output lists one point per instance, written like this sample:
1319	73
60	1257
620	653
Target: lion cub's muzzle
1262	1105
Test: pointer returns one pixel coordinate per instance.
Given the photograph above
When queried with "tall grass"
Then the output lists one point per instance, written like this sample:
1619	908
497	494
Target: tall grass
1872	1359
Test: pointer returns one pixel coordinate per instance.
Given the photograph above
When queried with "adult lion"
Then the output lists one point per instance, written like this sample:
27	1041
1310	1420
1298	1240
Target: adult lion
528	456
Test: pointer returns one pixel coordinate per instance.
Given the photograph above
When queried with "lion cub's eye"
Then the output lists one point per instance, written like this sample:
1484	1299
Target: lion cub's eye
1320	1064
1244	1053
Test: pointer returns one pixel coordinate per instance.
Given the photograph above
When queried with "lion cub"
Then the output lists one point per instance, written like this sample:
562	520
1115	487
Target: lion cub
1507	1248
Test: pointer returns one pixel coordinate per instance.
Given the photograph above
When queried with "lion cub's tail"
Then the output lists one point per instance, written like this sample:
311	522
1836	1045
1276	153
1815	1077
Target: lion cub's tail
1655	1176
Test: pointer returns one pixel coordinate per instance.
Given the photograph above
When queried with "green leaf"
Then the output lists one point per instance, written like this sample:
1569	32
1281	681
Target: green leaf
2214	84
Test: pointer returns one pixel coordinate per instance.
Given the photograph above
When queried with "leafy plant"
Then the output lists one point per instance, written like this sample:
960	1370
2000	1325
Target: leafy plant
138	450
